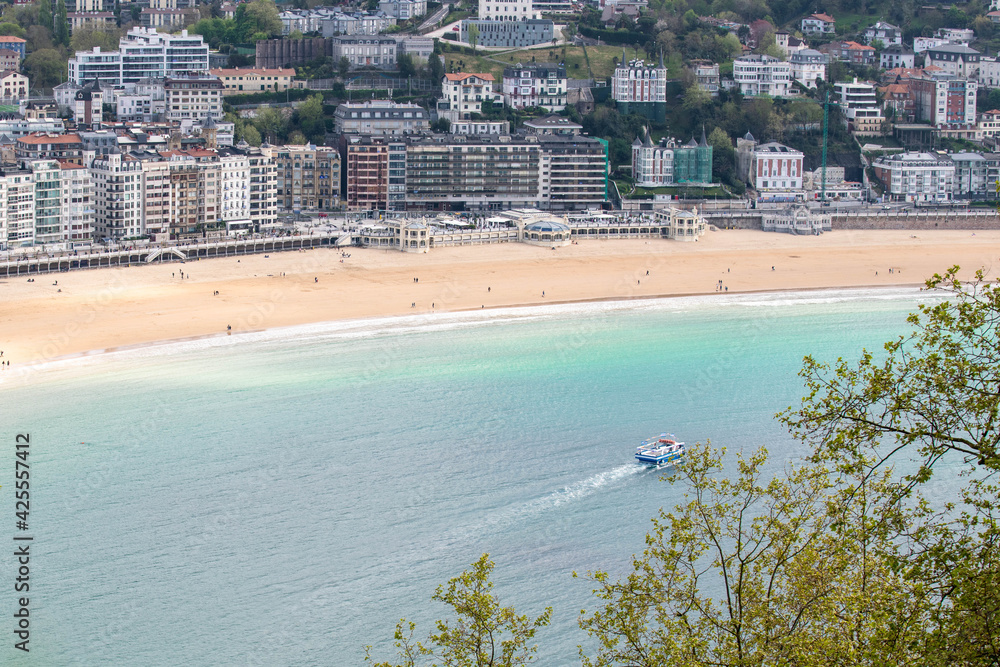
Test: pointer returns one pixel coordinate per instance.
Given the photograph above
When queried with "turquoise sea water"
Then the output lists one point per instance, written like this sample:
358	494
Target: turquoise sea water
283	498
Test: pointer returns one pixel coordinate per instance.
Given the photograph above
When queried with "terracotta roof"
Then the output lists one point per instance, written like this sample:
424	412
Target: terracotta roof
462	76
51	139
895	88
992	111
824	17
66	164
9	38
854	46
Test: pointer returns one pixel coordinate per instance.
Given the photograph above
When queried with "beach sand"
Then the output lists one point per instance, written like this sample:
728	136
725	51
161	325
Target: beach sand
112	308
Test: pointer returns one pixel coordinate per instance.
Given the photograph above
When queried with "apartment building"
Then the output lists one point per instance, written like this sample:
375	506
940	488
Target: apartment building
118	196
77	203
954	59
970	175
17	189
535	85
883	32
193	97
669	162
706	75
776	173
380	117
861	109
13	85
916	177
365	160
896	56
945	101
759	75
808	66
240	81
142	53
49	146
307	177
404	10
263	189
574	172
641	87
463	94
818	24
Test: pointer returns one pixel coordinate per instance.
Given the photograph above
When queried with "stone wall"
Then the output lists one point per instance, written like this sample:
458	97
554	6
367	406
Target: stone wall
960	220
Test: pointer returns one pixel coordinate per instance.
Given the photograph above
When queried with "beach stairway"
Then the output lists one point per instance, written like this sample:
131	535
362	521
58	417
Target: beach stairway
153	256
344	240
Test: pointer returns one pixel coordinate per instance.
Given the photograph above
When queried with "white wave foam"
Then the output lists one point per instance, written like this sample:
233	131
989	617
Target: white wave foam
443	321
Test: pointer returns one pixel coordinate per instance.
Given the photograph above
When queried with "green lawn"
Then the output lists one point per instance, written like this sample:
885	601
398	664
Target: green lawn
602	60
852	23
691	192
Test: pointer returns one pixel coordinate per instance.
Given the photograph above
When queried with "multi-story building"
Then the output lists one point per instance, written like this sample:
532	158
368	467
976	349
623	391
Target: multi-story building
193	97
397	176
670	163
989	124
364	51
916	177
776	172
640	87
167	18
263	189
860	107
573	171
956	35
989	72
921	44
507	10
13	44
307	177
851	52
895	56
970	175
9	60
404	10
18	190
88	106
142	53
356	23
759	75
13	85
706	76
808	66
49	147
819	24
954	59
118	196
463	94
240	81
883	32
512	34
365	161
787	43
535	85
77	203
380	117
46	176
943	100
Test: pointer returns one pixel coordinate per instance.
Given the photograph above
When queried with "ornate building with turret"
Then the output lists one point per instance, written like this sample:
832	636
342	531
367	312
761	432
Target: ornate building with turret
670	163
641	88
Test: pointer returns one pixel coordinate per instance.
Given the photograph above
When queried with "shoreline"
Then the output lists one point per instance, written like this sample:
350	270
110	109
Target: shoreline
101	311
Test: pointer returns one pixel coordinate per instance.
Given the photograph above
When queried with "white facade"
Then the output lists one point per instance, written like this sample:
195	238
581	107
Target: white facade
463	94
884	32
921	44
989	73
970	175
860	107
916	177
142	53
403	10
507	10
193	98
77	206
13	85
818	24
776	172
19	199
639	82
954	59
652	164
758	75
118	198
234	190
896	56
535	85
808	66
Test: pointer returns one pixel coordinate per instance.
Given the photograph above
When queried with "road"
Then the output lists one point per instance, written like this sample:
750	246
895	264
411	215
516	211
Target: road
434	18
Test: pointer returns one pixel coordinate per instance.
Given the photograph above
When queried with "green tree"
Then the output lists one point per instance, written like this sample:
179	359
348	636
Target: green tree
749	570
473	35
310	117
85	39
45	68
11	29
435	68
45	14
61	24
251	135
257	20
343	67
406	67
484	633
270	123
296	138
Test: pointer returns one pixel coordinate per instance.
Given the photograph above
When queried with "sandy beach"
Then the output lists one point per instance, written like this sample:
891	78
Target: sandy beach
112	308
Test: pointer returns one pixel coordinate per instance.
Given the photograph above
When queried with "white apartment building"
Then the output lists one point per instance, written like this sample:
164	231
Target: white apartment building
541	85
19	191
759	75
916	177
818	24
263	197
234	190
463	94
157	210
13	85
862	112
193	97
989	72
639	81
118	196
921	44
403	10
507	10
142	53
47	178
776	173
808	66
896	56
970	175
884	32
77	205
954	59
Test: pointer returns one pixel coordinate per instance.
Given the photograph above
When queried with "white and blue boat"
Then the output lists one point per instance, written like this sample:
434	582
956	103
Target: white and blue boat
662	451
